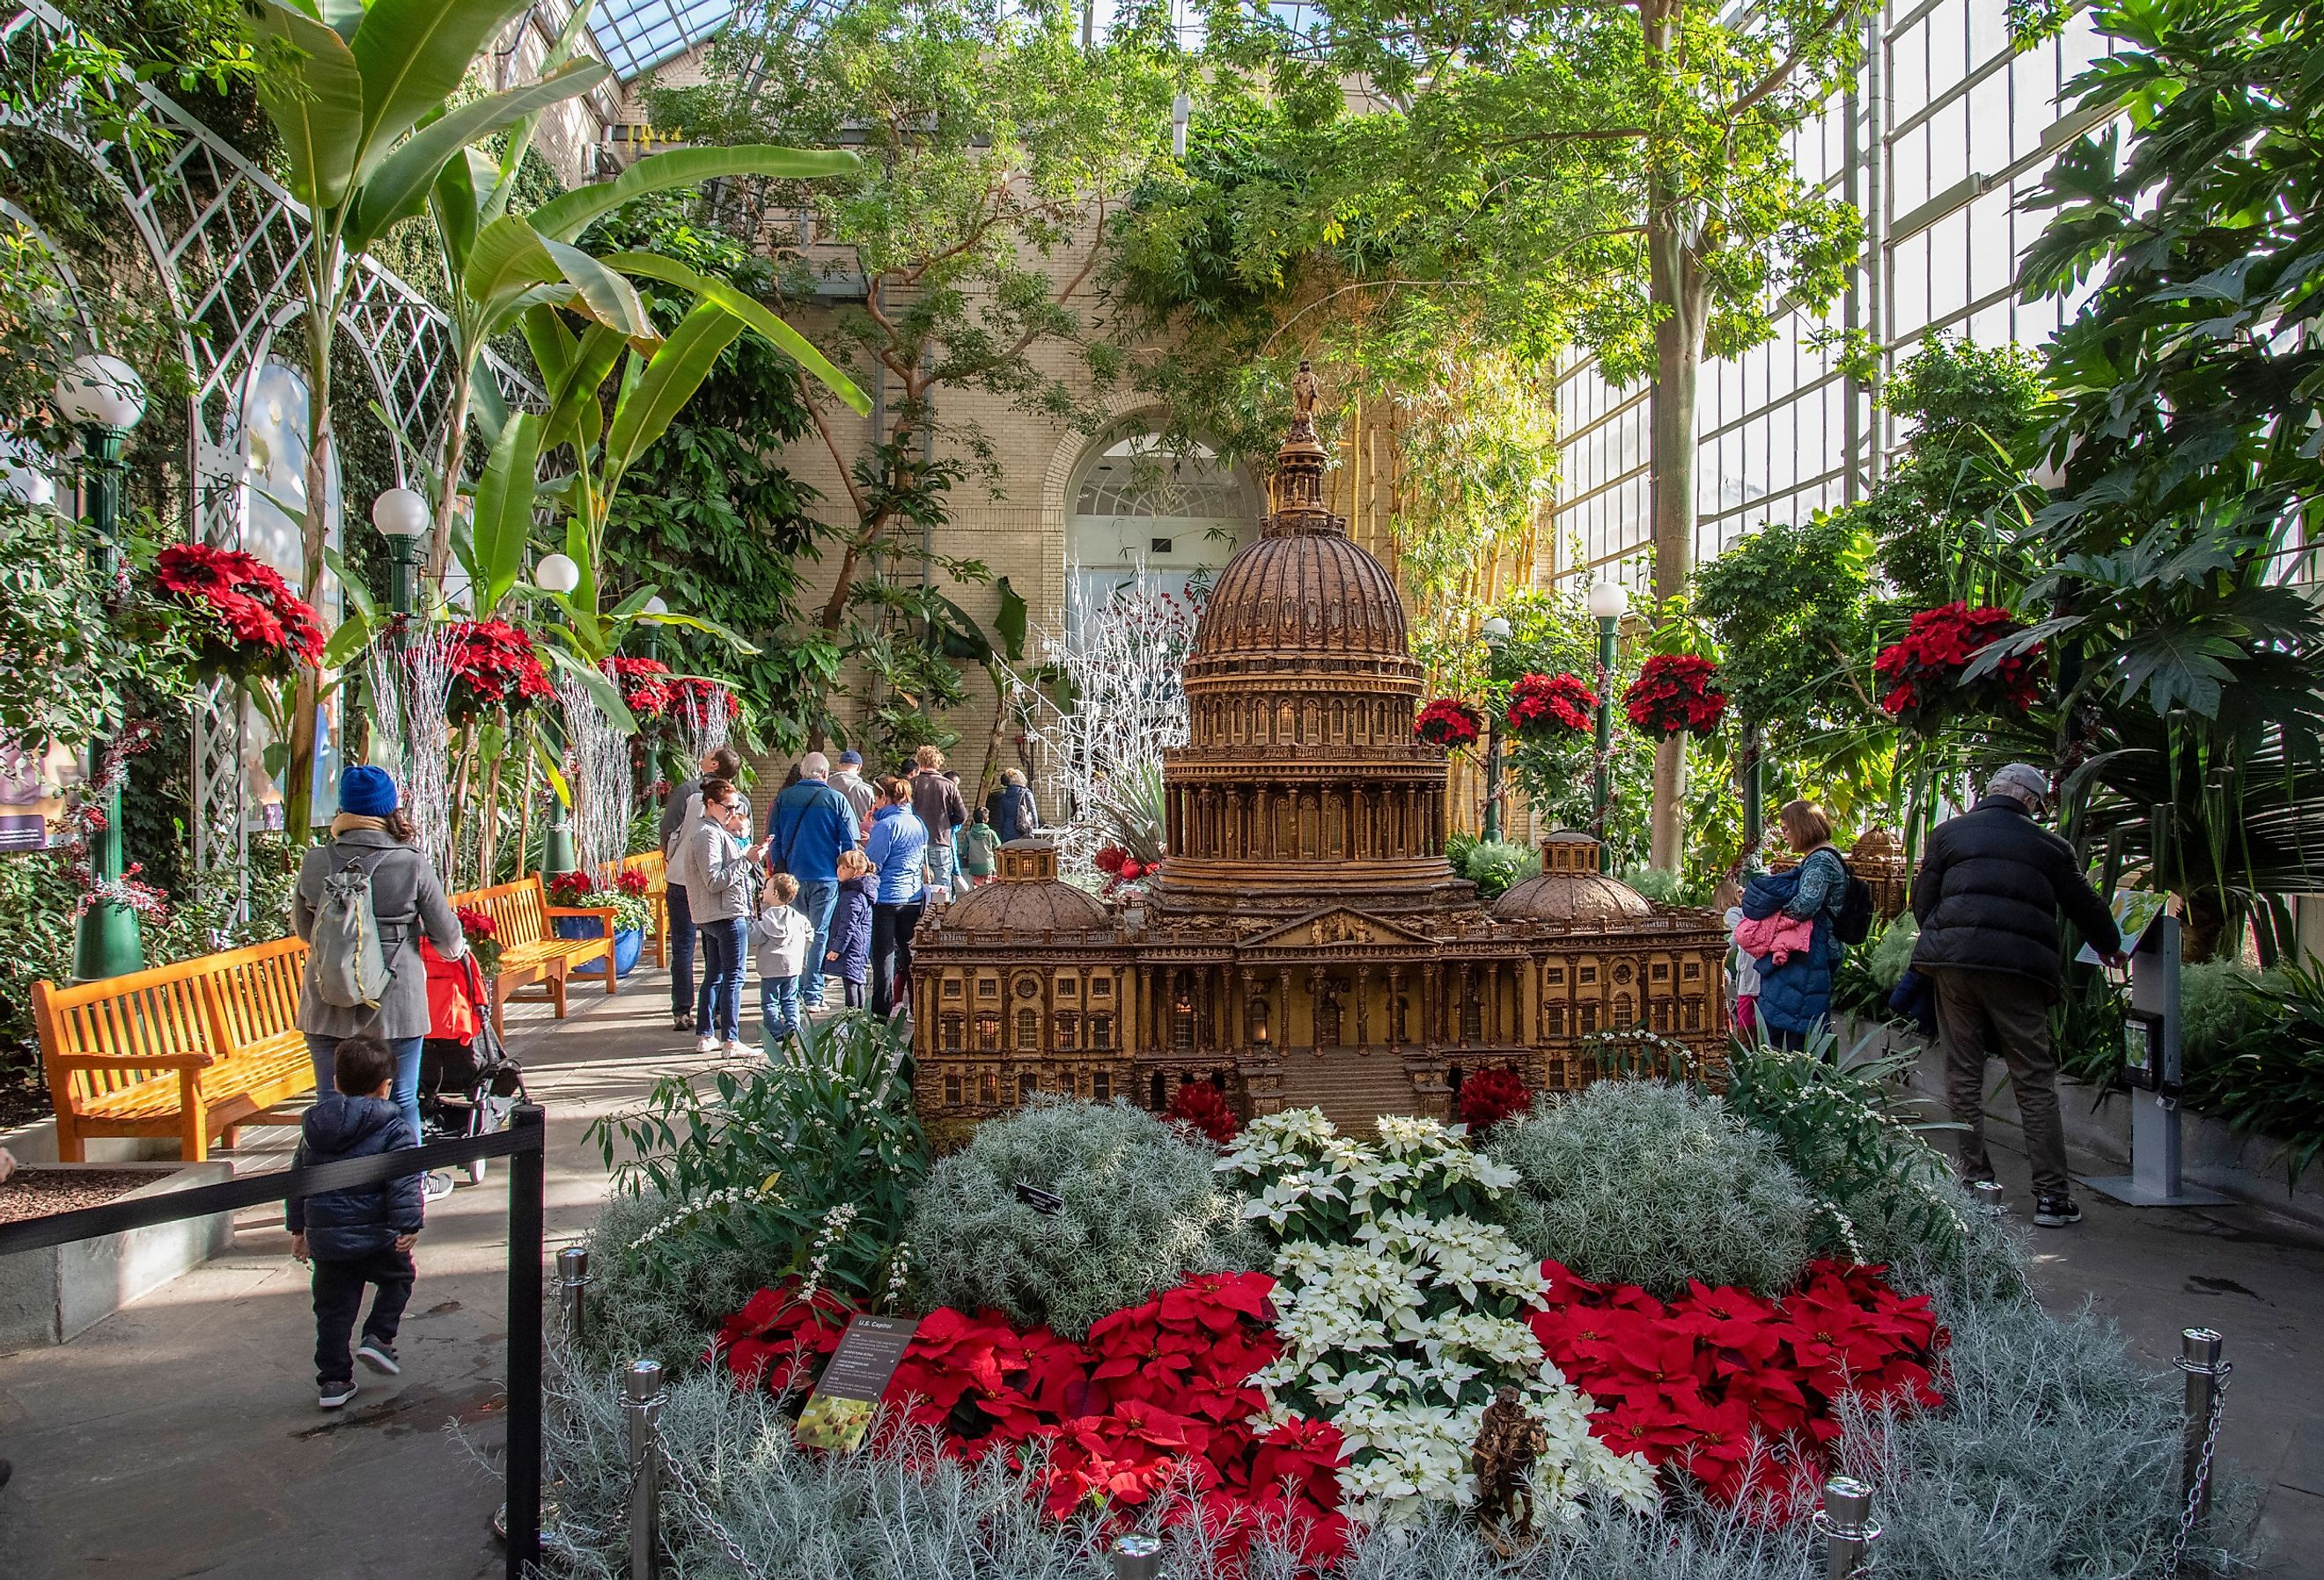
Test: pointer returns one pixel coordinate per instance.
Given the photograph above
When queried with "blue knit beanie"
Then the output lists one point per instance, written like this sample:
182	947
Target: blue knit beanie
367	792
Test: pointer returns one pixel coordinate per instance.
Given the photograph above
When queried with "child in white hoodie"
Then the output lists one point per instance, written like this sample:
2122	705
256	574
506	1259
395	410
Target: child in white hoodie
778	941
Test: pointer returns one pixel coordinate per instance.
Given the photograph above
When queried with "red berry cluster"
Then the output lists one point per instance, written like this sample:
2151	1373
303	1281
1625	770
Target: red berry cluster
1675	693
248	622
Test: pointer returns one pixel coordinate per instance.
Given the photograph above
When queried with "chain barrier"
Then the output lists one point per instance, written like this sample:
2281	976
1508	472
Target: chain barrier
698	1508
2205	1371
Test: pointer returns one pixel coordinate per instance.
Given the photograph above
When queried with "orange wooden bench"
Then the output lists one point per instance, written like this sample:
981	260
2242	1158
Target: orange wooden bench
531	954
194	1050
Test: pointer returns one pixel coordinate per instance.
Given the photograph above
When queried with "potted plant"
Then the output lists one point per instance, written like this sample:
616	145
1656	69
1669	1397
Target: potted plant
626	900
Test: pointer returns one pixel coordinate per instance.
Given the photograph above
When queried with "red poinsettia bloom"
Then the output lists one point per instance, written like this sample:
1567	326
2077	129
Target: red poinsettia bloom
573	888
248	621
645	685
1448	723
475	923
630	882
1675	693
1922	676
697	700
1550	704
494	666
1490	1096
1202	1107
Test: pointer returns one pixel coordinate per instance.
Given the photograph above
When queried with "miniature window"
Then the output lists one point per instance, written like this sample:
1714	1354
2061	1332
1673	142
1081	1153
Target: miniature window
1556	1020
1586	975
1100	987
1692	971
1662	971
991	1089
1101	1031
1554	976
1694	1014
1588	1018
988	988
1065	1031
1028	1083
987	1033
952	1091
1028	1029
1027	988
952	987
1100	1088
954	1034
1067	988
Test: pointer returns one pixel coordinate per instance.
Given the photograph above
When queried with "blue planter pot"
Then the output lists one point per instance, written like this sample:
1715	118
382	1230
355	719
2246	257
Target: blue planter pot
628	943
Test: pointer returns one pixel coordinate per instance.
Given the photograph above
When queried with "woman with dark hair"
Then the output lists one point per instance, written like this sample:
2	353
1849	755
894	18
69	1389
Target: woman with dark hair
1799	908
372	837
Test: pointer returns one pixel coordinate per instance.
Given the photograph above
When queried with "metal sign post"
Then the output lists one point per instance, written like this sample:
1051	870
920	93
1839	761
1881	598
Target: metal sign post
2153	1074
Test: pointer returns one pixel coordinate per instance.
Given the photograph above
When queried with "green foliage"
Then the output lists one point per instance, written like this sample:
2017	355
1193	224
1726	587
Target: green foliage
77	656
660	1301
1141	1211
2055	1453
1887	1196
1790	608
1493	865
1643	1182
809	1160
2271	1079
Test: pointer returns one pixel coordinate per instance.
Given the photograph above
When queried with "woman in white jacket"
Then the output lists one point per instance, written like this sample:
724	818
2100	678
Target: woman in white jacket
720	871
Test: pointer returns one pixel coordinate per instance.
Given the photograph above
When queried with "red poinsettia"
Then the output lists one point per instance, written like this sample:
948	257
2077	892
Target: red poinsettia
1157	1400
573	888
1490	1096
645	685
248	621
630	882
1550	704
1202	1107
1921	675
696	700
494	666
1738	1391
1448	723
1675	693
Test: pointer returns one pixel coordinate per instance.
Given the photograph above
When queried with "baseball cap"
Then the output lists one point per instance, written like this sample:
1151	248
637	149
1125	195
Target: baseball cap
2020	779
850	759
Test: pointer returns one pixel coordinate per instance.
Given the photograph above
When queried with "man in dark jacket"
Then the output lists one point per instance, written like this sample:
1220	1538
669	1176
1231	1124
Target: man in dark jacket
937	803
1988	895
362	1235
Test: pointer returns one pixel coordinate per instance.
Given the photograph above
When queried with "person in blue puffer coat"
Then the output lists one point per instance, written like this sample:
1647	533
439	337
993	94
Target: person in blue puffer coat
1795	996
897	845
848	958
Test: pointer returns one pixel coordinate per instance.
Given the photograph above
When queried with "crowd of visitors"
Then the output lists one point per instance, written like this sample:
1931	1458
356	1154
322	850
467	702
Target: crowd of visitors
832	890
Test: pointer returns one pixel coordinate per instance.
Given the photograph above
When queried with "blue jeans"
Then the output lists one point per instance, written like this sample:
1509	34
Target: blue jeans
681	954
324	1050
718	1009
942	865
816	899
779	1005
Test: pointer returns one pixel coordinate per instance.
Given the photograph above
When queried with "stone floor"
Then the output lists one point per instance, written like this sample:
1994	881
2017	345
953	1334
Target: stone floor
179	1437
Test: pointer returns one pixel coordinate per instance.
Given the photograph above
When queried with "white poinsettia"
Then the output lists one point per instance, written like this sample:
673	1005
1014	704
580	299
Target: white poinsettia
1401	1310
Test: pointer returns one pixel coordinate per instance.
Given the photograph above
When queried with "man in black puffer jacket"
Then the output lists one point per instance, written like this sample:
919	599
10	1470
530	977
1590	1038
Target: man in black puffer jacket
362	1235
1988	895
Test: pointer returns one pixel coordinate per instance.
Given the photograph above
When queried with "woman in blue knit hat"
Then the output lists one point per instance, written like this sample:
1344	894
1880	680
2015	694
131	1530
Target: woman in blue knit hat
372	835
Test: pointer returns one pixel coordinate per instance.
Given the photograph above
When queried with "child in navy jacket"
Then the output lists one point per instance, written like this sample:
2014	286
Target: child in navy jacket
362	1235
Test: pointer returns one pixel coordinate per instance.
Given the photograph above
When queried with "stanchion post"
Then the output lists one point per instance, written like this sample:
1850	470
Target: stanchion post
572	1287
2198	1359
1987	1193
527	1190
642	1405
1137	1558
1846	1522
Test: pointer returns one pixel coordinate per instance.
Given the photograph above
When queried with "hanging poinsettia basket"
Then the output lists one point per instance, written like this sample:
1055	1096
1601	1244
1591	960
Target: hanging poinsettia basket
1676	694
494	666
247	623
645	683
1545	707
697	702
1448	723
1922	676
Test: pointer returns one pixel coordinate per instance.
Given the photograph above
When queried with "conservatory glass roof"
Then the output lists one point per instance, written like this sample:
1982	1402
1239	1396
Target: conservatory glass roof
637	35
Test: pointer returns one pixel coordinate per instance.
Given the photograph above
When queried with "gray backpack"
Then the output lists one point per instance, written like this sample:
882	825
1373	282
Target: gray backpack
346	965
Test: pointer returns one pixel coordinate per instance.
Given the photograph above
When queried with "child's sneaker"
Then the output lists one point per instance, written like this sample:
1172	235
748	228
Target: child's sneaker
379	1355
332	1395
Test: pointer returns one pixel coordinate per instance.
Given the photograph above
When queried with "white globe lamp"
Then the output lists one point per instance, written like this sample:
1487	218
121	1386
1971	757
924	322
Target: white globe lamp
558	574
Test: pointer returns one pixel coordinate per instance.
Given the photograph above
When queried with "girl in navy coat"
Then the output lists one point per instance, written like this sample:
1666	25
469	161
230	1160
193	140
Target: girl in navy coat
848	957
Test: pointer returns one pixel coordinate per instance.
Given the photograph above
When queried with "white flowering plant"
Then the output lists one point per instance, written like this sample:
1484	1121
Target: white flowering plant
807	1166
1401	1309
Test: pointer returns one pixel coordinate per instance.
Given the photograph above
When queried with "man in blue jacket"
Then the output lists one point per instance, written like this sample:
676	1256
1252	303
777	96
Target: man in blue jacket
808	826
362	1235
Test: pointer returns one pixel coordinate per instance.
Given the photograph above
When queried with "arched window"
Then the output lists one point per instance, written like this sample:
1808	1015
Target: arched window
1137	505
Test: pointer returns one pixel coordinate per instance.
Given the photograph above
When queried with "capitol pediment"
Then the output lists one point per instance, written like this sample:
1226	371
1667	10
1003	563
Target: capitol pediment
1334	925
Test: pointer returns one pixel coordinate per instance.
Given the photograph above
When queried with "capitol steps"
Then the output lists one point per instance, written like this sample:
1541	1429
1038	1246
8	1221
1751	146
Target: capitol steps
1352	1088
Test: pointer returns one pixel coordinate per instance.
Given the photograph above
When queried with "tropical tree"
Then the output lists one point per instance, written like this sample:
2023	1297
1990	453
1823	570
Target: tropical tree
360	98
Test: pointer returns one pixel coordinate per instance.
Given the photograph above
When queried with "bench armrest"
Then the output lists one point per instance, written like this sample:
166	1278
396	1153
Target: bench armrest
138	1061
603	913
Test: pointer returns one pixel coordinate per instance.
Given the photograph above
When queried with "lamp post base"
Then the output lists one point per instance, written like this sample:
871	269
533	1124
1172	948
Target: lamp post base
556	850
107	943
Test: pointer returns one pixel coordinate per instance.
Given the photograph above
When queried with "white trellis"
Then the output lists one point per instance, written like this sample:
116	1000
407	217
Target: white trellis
224	240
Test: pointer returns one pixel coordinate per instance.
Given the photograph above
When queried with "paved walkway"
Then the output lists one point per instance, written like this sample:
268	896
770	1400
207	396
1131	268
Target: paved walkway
179	1437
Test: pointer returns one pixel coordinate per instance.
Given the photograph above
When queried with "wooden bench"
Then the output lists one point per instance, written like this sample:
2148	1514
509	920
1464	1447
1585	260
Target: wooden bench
531	954
193	1050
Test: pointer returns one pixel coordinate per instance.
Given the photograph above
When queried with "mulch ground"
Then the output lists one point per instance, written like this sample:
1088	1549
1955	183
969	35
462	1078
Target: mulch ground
34	1192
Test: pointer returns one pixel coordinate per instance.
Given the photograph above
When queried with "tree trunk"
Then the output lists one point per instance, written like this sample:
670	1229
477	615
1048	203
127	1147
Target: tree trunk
455	455
1680	294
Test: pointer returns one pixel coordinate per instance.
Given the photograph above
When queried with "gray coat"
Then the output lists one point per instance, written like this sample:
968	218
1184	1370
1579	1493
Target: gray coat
408	899
720	878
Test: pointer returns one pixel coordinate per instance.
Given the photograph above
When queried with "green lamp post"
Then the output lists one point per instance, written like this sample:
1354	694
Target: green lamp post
1495	632
558	574
1610	600
104	397
403	518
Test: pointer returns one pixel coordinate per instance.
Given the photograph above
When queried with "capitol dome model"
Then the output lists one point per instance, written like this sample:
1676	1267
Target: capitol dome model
1305	942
